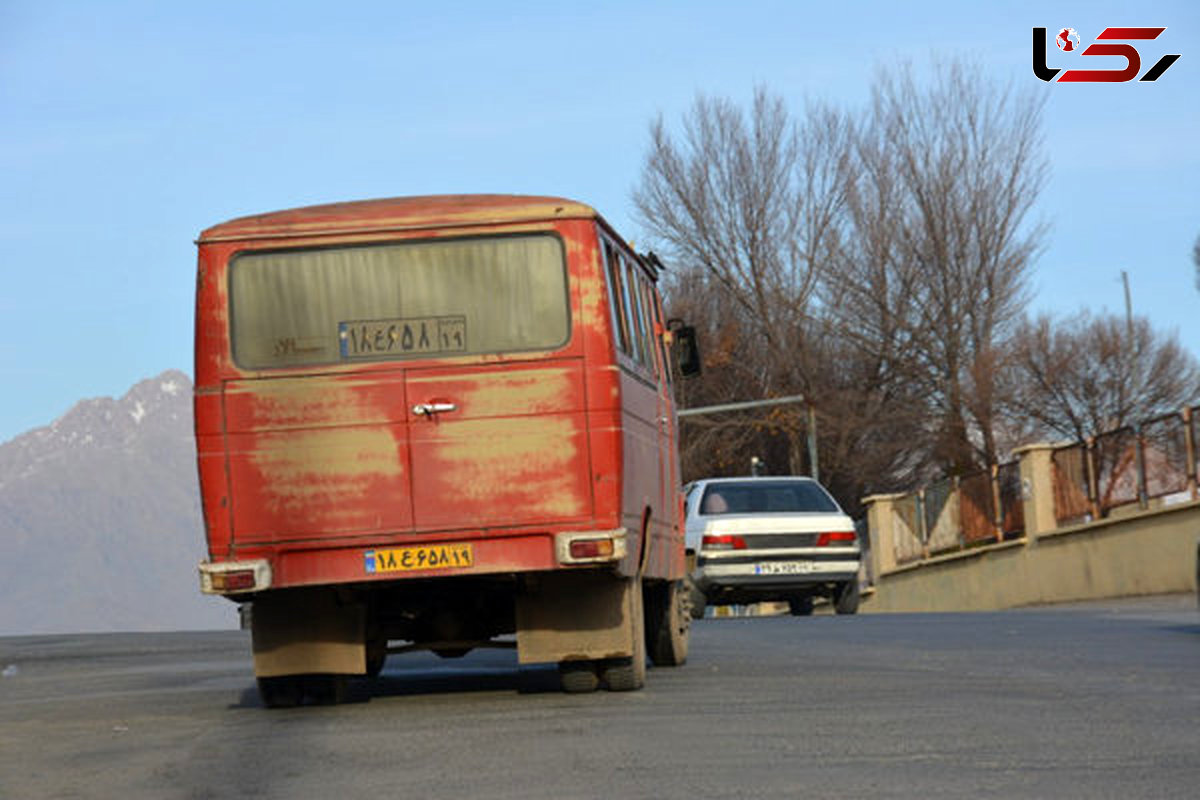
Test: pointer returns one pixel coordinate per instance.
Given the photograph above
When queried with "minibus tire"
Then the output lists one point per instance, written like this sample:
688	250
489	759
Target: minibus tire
629	674
327	690
668	623
624	674
578	677
284	691
376	656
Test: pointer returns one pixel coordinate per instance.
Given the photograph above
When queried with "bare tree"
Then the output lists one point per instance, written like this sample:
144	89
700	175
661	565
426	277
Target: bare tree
873	262
732	371
935	275
747	204
1091	374
750	200
749	209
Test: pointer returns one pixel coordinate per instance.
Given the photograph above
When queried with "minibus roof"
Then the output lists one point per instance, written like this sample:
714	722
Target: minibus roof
398	213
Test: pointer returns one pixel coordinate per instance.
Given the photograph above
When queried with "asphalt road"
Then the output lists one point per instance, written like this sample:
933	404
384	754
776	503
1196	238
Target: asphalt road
1091	701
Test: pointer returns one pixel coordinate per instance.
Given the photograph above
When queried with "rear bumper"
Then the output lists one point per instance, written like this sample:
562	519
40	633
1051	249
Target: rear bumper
280	567
774	575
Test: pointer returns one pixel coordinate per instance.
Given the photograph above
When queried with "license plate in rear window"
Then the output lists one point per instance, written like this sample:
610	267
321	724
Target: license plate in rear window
783	568
424	557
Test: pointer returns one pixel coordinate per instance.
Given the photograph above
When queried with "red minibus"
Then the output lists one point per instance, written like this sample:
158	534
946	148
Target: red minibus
431	422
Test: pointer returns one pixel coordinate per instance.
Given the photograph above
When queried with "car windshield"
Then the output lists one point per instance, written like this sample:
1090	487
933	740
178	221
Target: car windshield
766	497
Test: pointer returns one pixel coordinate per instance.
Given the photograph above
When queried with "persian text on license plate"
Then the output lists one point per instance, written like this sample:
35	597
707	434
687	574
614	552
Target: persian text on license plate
783	568
407	559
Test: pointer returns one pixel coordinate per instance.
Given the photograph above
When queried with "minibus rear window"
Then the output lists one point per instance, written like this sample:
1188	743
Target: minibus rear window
422	299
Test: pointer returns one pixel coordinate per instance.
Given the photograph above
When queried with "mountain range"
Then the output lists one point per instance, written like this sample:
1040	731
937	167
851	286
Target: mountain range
100	521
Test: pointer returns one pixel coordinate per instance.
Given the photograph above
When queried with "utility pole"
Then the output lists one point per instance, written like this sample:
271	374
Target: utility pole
1128	306
812	444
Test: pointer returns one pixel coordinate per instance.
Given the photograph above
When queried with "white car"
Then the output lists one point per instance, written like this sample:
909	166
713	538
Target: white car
770	539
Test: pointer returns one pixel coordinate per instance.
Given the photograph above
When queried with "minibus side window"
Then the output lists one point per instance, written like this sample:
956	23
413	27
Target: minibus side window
657	343
647	324
616	300
630	310
639	317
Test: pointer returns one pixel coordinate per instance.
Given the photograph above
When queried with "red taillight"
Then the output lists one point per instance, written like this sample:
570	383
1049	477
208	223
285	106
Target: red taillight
840	537
726	542
591	548
233	581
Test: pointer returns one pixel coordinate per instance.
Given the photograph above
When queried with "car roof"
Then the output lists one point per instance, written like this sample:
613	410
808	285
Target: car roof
755	479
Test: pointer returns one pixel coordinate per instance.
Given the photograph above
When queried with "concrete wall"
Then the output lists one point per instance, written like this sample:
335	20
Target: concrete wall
1138	552
1151	553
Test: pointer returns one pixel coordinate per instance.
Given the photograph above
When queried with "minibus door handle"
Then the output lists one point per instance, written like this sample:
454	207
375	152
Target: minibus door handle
429	409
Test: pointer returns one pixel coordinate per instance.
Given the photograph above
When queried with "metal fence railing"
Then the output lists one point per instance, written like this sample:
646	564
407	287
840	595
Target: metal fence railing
940	505
1149	464
1011	499
977	502
1116	466
958	513
909	526
1165	456
1071	474
1193	441
1152	462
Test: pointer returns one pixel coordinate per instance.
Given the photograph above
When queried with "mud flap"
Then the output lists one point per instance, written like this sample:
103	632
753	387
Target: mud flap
578	616
308	631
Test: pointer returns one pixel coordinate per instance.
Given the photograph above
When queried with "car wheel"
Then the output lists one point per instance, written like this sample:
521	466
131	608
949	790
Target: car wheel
668	623
845	597
801	606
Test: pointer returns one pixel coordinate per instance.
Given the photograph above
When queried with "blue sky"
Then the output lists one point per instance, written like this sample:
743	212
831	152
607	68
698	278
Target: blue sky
126	128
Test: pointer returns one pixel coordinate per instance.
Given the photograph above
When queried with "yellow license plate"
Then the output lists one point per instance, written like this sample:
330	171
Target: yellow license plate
424	557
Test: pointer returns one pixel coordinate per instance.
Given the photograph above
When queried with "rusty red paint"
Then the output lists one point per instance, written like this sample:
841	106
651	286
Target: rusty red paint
308	467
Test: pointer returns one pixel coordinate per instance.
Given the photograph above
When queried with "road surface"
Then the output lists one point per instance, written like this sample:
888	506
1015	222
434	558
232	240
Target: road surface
1091	701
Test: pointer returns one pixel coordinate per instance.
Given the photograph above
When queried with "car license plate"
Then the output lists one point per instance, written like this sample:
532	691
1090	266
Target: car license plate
783	568
423	557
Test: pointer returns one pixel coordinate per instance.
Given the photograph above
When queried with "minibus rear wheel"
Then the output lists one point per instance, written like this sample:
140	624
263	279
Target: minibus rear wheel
284	691
628	674
578	677
668	622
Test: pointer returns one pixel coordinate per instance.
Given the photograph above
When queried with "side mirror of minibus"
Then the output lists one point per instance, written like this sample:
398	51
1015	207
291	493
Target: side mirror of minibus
687	351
